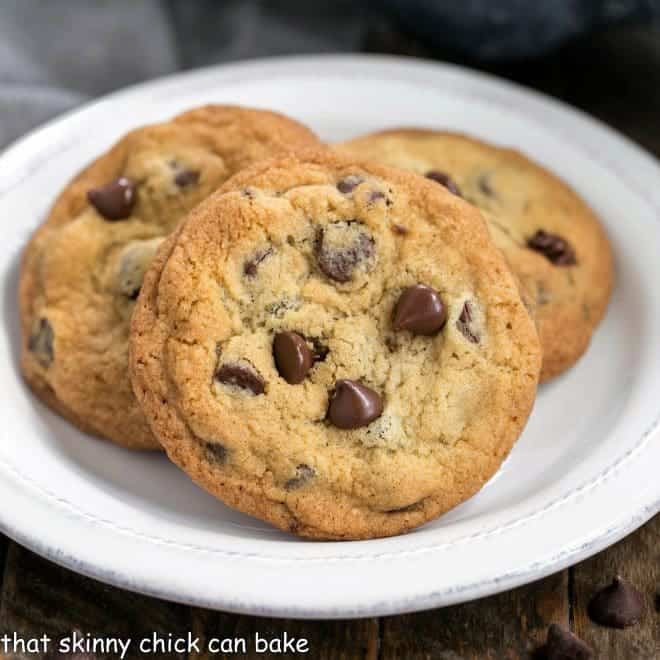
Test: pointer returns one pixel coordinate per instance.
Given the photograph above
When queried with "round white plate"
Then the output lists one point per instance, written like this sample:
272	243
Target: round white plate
584	474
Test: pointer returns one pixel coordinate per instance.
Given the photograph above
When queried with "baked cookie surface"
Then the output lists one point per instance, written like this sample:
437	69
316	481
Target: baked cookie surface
337	349
552	240
83	268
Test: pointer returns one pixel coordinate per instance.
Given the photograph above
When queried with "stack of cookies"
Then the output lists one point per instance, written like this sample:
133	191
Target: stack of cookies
343	341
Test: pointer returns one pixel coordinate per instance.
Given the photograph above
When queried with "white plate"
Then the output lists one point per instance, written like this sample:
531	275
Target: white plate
584	474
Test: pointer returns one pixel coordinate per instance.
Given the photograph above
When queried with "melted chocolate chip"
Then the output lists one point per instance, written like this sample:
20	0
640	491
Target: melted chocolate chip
240	376
186	178
304	473
293	358
420	310
483	183
564	645
115	200
391	343
552	247
349	183
251	267
319	350
41	342
444	180
543	296
353	405
375	195
280	307
215	452
134	261
337	261
618	605
465	323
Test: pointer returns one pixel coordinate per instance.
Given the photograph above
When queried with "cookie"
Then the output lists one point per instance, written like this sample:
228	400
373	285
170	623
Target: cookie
550	237
83	268
337	349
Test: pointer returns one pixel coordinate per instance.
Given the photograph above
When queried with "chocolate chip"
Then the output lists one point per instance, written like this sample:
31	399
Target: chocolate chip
186	178
340	248
134	261
293	358
543	296
353	405
303	474
465	323
115	200
41	342
483	183
240	376
215	452
552	247
375	195
564	645
618	605
420	310
349	183
251	267
445	180
391	343
399	229
280	307
319	350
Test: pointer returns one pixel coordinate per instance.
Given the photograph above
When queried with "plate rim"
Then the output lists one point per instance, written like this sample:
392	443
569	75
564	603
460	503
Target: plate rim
534	571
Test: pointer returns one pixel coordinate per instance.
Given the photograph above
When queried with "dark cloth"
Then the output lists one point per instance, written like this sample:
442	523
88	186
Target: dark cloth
56	54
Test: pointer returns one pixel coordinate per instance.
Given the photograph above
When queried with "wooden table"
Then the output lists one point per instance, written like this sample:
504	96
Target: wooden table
615	76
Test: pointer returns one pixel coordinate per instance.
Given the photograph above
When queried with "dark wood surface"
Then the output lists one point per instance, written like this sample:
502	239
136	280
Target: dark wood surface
39	597
616	77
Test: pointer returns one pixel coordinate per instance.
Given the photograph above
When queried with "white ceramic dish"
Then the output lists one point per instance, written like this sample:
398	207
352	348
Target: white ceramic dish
583	475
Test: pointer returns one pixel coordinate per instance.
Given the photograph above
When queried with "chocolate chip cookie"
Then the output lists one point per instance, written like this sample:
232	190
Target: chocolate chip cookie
551	239
338	349
82	270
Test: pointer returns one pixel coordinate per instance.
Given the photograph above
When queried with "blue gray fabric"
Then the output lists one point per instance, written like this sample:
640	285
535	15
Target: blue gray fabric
55	54
508	29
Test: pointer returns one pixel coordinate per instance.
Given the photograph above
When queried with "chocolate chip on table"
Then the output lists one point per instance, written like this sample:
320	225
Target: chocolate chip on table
216	452
240	376
353	405
618	605
444	180
349	183
564	645
339	258
251	266
115	200
186	178
303	474
41	342
465	323
552	247
420	310
293	358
